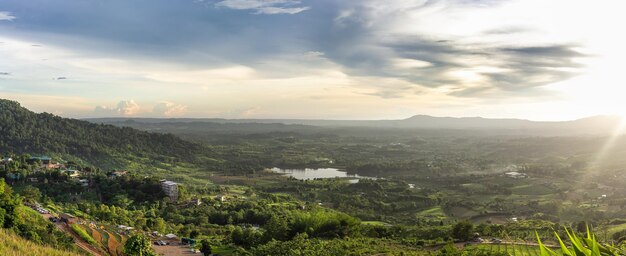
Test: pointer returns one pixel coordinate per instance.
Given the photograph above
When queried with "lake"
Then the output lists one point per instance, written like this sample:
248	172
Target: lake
310	173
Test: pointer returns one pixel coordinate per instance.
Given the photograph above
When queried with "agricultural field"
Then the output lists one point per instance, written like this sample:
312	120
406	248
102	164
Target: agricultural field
510	249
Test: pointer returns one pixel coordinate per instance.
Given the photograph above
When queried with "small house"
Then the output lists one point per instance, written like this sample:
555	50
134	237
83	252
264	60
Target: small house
516	175
116	174
72	173
43	159
68	218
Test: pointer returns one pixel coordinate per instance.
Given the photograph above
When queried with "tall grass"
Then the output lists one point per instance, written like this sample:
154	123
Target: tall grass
580	246
13	245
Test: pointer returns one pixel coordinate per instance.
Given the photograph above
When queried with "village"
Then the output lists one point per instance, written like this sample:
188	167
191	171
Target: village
115	233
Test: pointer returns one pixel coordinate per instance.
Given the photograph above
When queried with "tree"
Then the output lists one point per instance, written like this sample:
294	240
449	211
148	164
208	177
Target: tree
122	201
31	194
138	245
277	228
193	234
205	247
463	230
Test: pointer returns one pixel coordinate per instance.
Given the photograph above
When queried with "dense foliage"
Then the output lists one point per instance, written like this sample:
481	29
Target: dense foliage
138	245
22	131
27	223
434	192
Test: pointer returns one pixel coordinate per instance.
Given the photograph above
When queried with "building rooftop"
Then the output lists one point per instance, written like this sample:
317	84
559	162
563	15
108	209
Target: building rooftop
169	183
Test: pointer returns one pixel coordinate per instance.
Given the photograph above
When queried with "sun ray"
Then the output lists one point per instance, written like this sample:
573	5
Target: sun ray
610	143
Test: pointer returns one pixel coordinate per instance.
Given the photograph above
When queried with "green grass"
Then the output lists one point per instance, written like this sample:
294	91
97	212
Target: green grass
82	233
614	229
462	212
375	223
517	250
223	250
532	189
435	211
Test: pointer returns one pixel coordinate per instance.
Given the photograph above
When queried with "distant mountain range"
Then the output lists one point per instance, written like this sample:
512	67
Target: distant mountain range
585	126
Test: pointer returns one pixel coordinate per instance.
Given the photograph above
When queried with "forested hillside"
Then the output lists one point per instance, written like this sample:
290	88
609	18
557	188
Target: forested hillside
23	131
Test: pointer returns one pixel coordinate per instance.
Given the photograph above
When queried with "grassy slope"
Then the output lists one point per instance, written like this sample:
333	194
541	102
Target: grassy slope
14	245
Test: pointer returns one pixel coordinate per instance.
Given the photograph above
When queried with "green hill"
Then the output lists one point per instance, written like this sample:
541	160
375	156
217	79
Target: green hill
12	244
105	146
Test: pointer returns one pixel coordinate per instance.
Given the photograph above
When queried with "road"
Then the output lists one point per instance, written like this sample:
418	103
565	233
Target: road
77	240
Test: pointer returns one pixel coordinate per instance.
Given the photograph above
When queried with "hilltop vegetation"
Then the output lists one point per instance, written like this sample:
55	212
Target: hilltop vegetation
27	223
106	146
431	187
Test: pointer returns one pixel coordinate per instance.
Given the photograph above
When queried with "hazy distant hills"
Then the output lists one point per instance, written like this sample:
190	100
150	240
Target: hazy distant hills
586	126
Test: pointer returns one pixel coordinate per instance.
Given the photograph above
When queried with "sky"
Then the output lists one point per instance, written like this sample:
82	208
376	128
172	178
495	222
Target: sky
322	59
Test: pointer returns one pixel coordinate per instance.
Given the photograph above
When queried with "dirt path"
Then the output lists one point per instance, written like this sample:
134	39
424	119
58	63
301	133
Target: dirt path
77	240
113	244
96	235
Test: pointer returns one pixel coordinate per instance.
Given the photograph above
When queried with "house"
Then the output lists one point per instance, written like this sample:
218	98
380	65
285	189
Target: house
516	175
170	189
43	159
116	174
68	218
170	236
50	166
72	173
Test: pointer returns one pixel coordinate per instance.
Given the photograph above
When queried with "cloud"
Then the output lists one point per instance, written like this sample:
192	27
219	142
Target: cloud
169	109
242	112
6	16
265	6
450	46
123	108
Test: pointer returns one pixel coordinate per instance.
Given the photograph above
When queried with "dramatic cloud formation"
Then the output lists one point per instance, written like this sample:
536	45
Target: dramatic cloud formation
330	59
123	108
265	6
169	109
6	16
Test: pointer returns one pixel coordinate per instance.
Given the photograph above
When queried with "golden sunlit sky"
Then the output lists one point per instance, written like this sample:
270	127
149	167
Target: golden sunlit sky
531	59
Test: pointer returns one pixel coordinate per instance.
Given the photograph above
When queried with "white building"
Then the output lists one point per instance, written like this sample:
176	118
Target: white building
516	175
170	188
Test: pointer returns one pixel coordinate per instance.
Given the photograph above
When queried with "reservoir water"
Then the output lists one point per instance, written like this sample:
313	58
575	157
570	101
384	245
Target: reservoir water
310	173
